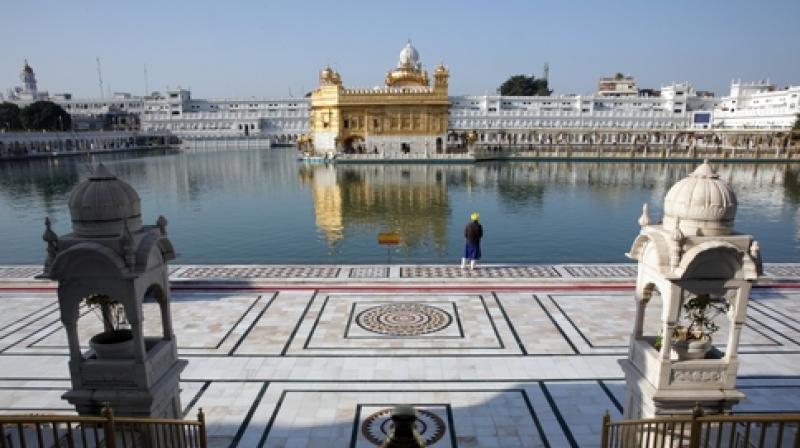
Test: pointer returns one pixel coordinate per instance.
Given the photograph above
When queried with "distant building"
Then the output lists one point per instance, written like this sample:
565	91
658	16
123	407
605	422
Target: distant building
617	85
28	91
282	120
120	113
508	119
758	105
410	113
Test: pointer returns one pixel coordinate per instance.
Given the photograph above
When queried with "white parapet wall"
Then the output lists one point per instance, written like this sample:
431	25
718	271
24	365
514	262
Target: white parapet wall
406	144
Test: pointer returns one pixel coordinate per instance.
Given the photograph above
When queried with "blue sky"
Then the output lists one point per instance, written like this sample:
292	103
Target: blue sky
271	48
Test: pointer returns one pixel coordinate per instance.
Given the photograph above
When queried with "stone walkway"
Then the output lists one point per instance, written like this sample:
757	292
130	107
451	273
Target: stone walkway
312	356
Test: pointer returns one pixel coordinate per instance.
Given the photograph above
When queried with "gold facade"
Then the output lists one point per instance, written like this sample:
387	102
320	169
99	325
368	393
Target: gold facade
407	106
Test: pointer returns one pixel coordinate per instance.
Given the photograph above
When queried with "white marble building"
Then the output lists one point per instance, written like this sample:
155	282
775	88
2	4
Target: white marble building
676	106
281	120
758	105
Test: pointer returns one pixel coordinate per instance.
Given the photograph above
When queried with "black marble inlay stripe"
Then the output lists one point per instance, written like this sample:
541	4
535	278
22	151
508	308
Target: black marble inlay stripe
779	313
577	329
252	324
299	322
510	325
559	417
53	322
196	397
610	395
316	321
558	327
536	421
28	316
246	422
233	327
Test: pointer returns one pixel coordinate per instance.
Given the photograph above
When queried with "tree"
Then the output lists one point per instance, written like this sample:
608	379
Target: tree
9	116
45	115
795	134
521	85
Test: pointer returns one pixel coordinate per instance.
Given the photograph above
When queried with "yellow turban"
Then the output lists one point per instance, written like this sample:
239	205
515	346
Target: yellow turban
475	216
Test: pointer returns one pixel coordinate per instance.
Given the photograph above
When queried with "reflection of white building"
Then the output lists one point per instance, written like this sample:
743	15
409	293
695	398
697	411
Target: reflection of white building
758	105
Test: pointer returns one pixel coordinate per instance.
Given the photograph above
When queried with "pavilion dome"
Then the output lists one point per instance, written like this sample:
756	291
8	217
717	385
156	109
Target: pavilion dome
702	203
409	56
102	204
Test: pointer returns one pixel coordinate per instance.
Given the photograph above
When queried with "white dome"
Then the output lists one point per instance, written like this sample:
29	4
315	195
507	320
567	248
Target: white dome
409	57
100	205
702	202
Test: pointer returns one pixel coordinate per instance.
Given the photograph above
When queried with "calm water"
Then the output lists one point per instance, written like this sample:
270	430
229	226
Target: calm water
262	206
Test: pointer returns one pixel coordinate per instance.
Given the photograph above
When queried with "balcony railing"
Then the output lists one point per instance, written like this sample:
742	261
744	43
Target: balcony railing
107	431
699	431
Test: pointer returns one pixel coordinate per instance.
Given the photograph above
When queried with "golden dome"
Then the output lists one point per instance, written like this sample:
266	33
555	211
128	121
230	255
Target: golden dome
328	76
409	70
402	77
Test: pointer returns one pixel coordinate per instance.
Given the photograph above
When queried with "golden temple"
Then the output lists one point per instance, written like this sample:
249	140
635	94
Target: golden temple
405	116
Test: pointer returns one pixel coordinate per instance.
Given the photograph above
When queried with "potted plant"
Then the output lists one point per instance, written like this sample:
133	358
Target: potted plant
114	342
693	340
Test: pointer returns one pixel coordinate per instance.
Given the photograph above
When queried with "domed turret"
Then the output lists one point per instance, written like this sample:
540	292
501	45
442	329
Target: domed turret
702	203
102	204
409	57
409	70
328	77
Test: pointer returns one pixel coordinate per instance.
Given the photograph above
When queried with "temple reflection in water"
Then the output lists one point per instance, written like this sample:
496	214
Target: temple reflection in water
409	199
415	200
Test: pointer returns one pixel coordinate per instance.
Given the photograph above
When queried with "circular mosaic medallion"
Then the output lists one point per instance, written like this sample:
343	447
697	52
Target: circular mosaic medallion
404	319
378	425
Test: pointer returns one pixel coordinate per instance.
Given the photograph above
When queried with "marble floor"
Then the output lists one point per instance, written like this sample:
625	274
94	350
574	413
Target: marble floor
319	364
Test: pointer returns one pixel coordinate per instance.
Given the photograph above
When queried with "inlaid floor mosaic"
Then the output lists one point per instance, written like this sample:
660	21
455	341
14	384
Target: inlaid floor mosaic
480	272
601	271
19	272
320	368
782	271
369	272
225	272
